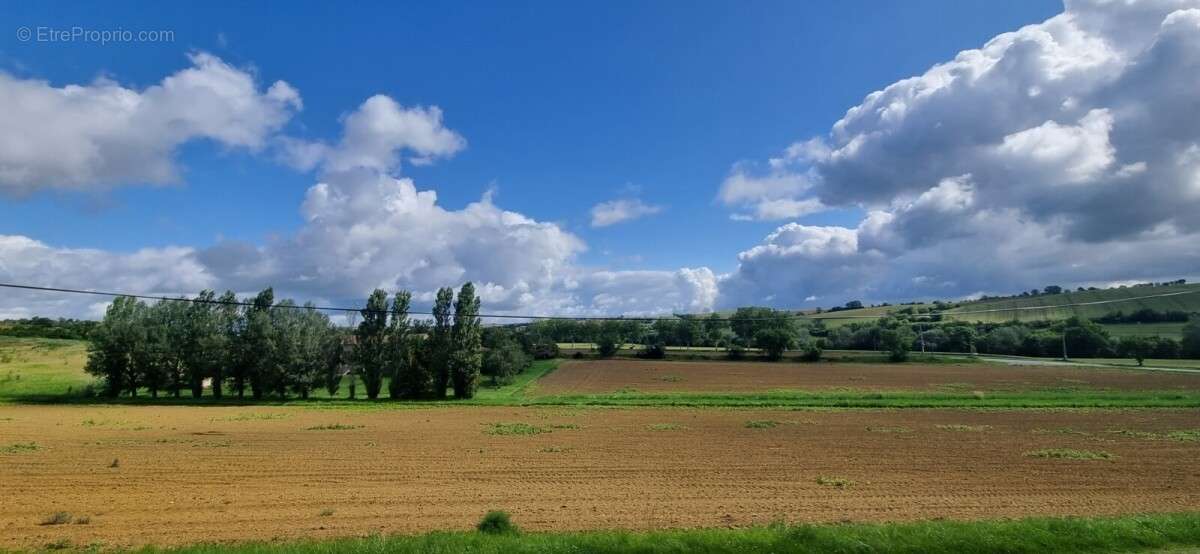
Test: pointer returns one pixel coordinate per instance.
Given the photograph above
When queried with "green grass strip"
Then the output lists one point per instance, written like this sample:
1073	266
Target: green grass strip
1034	535
798	399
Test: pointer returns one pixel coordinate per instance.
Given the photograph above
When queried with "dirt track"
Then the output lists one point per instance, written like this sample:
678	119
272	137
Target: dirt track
603	376
218	474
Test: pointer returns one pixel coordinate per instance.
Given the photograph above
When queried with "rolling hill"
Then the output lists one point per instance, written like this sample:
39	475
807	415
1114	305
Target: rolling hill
1086	304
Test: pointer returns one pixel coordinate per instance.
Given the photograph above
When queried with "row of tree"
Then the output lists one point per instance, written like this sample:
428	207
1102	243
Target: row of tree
277	348
1079	337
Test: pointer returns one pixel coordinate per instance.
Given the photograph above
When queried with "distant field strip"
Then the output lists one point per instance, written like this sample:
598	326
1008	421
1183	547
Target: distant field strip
1088	304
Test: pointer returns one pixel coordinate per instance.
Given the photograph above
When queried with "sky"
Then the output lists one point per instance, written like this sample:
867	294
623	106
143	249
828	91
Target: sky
597	158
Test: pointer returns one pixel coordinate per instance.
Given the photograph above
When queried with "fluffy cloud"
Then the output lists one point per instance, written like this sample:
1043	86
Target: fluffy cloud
104	134
366	227
151	271
1065	151
768	197
624	209
374	136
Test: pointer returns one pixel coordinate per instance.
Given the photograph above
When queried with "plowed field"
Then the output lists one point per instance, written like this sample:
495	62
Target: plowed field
604	376
177	475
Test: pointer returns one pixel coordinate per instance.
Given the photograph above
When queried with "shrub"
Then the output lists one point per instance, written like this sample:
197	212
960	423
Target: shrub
812	353
897	341
735	352
607	346
504	361
544	350
496	522
774	342
654	351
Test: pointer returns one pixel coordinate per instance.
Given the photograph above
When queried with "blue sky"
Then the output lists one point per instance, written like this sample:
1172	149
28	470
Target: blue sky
687	107
564	105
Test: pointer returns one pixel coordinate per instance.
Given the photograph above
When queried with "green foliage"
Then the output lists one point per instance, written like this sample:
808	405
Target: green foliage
735	352
775	341
1190	344
747	322
607	345
496	522
466	357
1138	348
1158	532
504	361
371	349
654	351
407	354
896	337
44	327
813	351
441	341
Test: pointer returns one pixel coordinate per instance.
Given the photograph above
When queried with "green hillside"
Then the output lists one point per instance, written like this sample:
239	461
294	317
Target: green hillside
844	317
1086	304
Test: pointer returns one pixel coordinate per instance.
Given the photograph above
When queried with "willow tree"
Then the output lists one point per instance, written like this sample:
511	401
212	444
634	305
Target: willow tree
466	354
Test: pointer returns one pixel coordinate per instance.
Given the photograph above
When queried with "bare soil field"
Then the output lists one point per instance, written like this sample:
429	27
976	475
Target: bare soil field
606	376
180	475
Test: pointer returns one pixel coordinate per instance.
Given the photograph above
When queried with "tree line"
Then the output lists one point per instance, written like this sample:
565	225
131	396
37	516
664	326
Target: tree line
775	332
270	348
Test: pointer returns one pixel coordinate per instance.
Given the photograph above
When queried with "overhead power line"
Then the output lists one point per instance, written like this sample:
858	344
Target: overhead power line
361	310
576	318
1092	303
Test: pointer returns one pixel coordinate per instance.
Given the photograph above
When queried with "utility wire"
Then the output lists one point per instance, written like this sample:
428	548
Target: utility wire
576	318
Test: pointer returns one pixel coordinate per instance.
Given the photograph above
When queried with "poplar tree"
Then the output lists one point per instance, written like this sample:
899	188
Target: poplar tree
404	383
372	342
441	341
466	355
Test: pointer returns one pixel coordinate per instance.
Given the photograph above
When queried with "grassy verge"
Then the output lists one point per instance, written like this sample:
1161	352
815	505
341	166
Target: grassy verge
1031	399
523	384
1034	535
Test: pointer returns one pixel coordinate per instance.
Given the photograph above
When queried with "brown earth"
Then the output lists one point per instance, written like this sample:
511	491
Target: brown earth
605	376
193	474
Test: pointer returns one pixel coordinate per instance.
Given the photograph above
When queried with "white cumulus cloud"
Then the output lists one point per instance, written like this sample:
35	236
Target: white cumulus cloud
613	212
103	134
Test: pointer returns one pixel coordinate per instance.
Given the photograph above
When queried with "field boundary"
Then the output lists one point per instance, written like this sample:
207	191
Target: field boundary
1137	533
